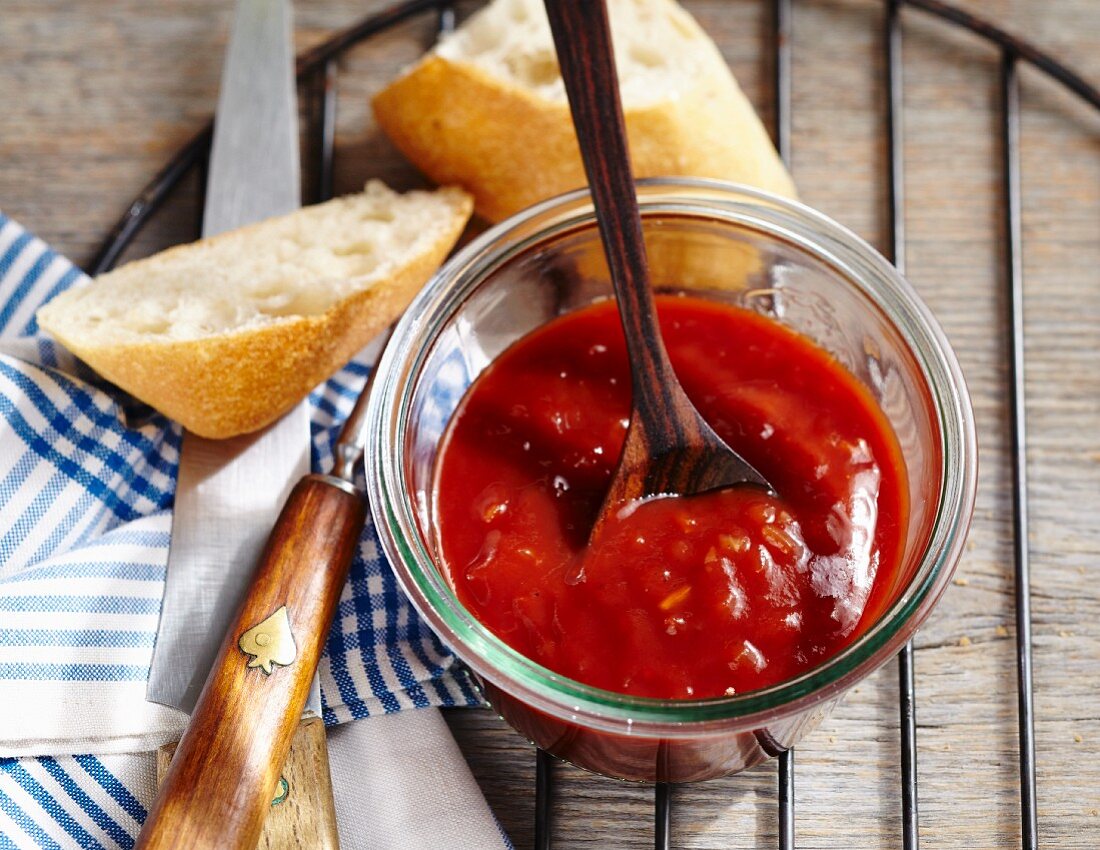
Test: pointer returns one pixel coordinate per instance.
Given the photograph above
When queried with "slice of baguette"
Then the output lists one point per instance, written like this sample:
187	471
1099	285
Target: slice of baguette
226	334
486	109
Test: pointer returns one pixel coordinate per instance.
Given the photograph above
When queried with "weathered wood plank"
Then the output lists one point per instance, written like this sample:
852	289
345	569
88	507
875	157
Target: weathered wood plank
99	93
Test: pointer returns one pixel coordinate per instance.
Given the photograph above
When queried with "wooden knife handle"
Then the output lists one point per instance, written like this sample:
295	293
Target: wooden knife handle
221	782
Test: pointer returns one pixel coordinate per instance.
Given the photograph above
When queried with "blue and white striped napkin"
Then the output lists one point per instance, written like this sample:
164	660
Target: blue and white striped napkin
85	518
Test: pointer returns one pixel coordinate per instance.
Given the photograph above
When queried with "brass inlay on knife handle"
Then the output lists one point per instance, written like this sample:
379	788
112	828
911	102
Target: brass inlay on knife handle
282	792
270	642
220	803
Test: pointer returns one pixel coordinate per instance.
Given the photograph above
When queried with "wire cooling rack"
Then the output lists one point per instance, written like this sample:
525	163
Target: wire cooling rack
317	71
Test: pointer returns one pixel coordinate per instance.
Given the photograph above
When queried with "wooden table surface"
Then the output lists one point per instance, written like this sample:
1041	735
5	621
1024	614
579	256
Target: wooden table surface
98	94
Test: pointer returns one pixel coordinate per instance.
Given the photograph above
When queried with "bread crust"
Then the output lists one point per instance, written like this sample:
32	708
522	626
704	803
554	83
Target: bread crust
511	148
240	381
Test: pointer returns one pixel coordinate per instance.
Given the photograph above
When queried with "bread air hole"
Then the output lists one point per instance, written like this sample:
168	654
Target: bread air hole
684	28
478	41
282	299
385	216
534	69
151	326
646	55
355	249
519	12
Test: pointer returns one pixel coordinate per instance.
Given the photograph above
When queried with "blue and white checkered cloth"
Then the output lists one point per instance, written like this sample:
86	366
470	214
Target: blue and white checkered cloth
85	517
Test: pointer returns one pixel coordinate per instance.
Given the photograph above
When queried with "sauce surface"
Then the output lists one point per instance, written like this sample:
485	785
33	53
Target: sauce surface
715	594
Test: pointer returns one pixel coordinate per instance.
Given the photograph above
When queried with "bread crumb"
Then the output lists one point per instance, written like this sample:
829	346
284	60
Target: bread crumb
964	641
1094	812
1001	631
971	545
947	748
1093	456
832	739
962	582
1062	633
1077	739
731	692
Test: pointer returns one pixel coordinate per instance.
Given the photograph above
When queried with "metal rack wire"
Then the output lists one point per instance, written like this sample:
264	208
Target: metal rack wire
317	71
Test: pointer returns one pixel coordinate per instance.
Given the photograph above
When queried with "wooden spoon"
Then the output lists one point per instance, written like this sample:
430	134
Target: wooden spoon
669	448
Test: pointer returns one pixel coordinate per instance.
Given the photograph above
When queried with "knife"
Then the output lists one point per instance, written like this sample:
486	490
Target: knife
218	788
228	491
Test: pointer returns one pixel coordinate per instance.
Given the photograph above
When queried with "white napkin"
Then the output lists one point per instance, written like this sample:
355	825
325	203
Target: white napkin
389	773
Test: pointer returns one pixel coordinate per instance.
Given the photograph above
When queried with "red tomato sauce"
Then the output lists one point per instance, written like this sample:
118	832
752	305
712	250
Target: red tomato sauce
715	594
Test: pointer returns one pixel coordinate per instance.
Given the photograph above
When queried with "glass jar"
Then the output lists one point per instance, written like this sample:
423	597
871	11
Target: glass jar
718	241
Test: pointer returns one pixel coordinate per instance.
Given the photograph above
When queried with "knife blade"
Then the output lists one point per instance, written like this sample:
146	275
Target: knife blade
229	492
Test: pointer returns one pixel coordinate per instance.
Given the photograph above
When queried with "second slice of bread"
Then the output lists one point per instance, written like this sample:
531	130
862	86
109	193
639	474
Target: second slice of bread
226	334
487	110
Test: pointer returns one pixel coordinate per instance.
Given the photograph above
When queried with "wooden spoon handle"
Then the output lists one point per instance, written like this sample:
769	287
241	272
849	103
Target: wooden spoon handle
221	782
582	35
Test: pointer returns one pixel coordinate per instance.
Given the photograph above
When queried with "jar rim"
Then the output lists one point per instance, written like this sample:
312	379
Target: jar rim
488	655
